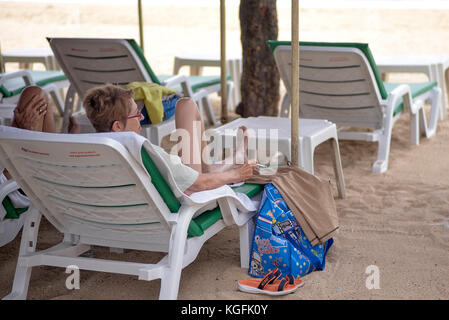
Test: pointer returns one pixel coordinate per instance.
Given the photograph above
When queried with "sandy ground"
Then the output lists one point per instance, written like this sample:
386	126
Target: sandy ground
397	221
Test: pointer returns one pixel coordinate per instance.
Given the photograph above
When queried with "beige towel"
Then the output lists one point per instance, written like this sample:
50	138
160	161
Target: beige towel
309	198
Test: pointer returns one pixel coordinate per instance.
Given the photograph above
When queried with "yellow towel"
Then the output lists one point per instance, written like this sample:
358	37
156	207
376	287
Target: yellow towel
151	94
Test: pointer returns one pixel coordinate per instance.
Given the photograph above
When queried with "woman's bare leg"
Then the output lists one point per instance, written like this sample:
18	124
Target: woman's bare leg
32	111
188	118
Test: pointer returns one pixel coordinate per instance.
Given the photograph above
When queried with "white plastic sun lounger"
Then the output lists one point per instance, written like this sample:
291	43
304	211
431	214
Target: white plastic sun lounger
93	62
113	190
340	82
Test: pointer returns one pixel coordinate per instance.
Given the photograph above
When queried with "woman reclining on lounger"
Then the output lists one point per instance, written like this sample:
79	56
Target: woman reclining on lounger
112	109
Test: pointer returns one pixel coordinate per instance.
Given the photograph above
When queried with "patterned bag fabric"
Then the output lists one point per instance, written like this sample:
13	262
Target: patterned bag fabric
169	103
279	241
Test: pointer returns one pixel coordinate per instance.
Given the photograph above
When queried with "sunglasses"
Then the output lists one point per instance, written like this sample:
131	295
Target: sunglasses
138	115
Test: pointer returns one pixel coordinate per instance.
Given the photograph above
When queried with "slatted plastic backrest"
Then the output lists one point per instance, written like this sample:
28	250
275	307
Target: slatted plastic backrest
92	62
88	189
336	84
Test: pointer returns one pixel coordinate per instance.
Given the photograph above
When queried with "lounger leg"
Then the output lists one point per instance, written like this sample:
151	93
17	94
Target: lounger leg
430	130
229	94
172	276
246	233
422	128
336	160
414	124
27	246
236	73
383	152
68	108
170	281
285	106
438	71
231	69
56	96
446	91
209	112
305	156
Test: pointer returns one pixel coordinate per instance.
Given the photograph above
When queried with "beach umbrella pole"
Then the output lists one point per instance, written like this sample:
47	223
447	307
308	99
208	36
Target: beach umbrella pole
295	84
224	109
139	9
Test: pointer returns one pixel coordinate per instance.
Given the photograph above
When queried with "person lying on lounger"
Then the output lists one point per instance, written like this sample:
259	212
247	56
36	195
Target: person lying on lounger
111	108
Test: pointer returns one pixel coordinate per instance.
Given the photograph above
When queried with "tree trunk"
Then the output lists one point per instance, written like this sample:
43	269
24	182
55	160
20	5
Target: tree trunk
260	76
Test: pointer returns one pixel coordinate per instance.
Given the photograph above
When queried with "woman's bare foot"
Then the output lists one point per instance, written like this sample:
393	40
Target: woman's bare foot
238	157
241	154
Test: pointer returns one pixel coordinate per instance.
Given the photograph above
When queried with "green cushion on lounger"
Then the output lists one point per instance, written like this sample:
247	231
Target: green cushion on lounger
198	82
142	58
416	89
205	220
15	86
384	87
159	183
202	222
11	212
250	189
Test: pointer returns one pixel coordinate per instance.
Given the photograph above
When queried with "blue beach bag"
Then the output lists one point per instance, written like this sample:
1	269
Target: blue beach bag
279	242
169	110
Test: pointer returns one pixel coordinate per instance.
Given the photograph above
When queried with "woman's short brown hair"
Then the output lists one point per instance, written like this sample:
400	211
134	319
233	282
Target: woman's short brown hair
107	104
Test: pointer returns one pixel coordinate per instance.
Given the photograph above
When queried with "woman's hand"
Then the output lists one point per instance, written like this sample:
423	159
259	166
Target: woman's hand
207	181
30	116
245	171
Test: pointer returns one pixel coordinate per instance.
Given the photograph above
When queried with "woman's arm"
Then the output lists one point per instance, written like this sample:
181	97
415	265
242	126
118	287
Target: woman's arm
207	181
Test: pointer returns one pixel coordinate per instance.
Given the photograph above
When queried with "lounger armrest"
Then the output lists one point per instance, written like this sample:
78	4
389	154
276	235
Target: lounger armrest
8	187
179	80
203	198
174	81
233	210
17	74
403	91
200	94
